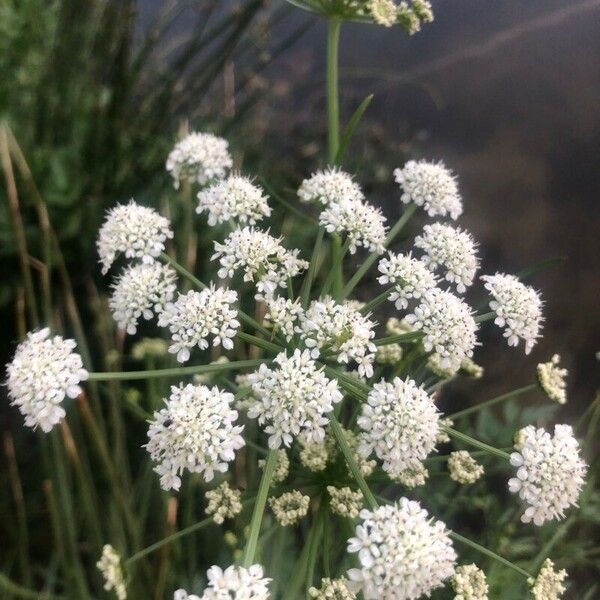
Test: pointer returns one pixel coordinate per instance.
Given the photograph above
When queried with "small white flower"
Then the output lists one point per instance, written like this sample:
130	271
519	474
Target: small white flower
223	503
464	468
290	507
469	583
410	276
200	158
452	249
518	309
284	315
431	186
342	330
261	257
42	373
413	477
235	198
448	327
548	585
195	431
403	553
552	379
361	224
133	230
110	567
332	589
141	291
345	501
292	399
331	186
383	12
233	583
550	472
195	316
400	423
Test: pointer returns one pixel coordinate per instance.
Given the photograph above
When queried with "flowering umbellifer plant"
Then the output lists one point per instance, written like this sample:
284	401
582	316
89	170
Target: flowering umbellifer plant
342	409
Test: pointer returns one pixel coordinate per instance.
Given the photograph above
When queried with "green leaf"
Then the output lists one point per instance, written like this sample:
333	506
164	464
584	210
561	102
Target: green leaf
352	124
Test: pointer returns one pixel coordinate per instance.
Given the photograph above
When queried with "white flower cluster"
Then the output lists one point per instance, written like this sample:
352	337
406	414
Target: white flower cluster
448	327
410	277
550	472
552	379
404	554
142	290
360	223
342	330
284	315
133	230
195	431
313	455
452	249
332	589
331	186
345	501
42	373
200	158
235	198
469	583
400	423
261	257
431	186
195	316
290	507
387	13
518	309
110	567
223	503
292	399
548	585
464	468
389	354
414	476
233	583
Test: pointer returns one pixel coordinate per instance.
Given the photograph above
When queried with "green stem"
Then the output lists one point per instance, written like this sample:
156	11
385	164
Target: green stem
312	268
333	107
259	508
485	317
336	428
259	342
367	308
492	401
177	371
467	439
410	336
366	265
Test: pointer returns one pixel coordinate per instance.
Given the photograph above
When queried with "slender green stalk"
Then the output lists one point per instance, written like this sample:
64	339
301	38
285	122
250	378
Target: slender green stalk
259	342
313	549
493	401
366	265
485	317
336	428
467	439
177	371
17	591
259	508
312	268
333	105
241	314
287	205
370	306
409	336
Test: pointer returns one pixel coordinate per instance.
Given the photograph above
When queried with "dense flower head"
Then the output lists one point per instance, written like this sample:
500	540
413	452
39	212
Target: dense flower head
518	309
332	589
44	370
413	477
451	249
261	257
233	199
293	398
195	316
359	222
400	423
195	431
284	316
550	472
199	158
431	186
345	501
223	502
410	277
403	553
389	354
330	186
110	567
548	585
464	468
552	379
233	583
469	583
290	507
448	327
141	291
342	330
133	230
